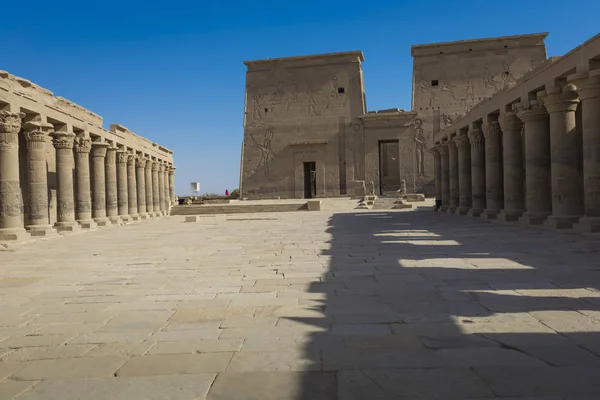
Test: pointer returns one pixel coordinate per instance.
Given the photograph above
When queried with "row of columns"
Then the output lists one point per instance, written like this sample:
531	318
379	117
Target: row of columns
120	187
536	163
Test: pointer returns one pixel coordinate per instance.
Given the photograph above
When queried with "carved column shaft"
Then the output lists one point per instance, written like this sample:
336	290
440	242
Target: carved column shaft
122	191
110	172
537	163
99	183
38	221
477	170
464	174
83	200
565	152
161	188
165	176
155	189
494	172
65	216
149	189
453	165
172	185
140	169
11	199
513	168
437	176
132	187
588	88
445	161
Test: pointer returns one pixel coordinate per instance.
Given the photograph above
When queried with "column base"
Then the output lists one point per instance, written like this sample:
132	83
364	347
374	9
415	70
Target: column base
443	208
135	217
533	218
561	222
490	214
71	226
125	218
474	212
588	225
87	224
40	230
451	209
462	210
144	216
102	221
115	220
509	215
13	234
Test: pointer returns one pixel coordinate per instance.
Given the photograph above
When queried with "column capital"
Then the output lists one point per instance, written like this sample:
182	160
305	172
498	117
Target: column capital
510	122
148	163
130	159
99	149
532	111
443	148
140	162
561	99
10	122
492	131
63	140
122	156
82	145
476	137
161	167
154	166
36	132
587	84
172	170
461	141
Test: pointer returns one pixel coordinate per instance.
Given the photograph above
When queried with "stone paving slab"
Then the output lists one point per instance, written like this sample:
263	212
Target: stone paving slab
323	305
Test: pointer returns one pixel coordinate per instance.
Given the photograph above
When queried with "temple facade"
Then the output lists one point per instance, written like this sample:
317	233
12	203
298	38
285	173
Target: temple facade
61	171
307	131
530	153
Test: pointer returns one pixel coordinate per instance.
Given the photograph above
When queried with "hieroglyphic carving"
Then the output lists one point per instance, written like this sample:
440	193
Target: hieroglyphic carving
421	147
256	106
311	103
448	119
334	92
294	97
507	76
445	84
426	87
262	138
277	95
470	88
488	78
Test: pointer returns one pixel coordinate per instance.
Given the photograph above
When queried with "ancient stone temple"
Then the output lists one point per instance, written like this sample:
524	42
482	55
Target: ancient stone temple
307	132
61	171
530	153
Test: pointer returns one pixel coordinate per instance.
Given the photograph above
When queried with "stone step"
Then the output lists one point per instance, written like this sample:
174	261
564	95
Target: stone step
236	209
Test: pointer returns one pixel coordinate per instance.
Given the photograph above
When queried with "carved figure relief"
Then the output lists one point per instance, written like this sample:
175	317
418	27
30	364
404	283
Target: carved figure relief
334	93
262	140
445	84
470	89
507	76
294	96
256	106
489	80
450	119
277	95
311	103
426	88
421	145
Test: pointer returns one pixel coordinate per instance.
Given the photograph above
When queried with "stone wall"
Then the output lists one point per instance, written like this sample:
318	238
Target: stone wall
300	109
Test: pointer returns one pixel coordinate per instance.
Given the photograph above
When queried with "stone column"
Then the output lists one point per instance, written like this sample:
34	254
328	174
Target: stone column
494	173
513	168
132	188
537	163
167	193
565	153
453	175
588	88
156	189
38	220
99	183
477	169
122	192
445	161
110	170
83	191
65	194
11	199
464	174
140	169
172	185
161	189
437	176
149	189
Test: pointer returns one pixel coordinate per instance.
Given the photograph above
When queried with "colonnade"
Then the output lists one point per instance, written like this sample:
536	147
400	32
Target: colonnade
536	163
97	183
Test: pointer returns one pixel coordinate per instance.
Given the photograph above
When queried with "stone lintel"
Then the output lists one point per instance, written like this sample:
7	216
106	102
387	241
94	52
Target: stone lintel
346	56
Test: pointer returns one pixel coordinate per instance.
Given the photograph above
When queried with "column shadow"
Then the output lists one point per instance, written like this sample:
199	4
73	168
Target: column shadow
419	305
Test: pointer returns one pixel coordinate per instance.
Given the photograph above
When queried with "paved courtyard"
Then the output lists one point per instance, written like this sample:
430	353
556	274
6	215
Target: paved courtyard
304	306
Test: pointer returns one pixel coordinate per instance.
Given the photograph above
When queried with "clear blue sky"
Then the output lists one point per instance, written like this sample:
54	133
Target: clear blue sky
173	72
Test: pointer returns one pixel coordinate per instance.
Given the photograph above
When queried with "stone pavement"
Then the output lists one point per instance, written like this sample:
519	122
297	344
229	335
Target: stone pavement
308	305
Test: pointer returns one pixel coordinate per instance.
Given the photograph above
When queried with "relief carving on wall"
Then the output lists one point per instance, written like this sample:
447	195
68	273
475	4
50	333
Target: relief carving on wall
262	138
311	103
294	97
256	106
507	76
450	119
334	92
426	87
489	79
421	145
445	84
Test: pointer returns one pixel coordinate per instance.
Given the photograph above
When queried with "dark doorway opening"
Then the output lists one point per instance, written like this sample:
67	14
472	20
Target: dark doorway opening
389	166
310	179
